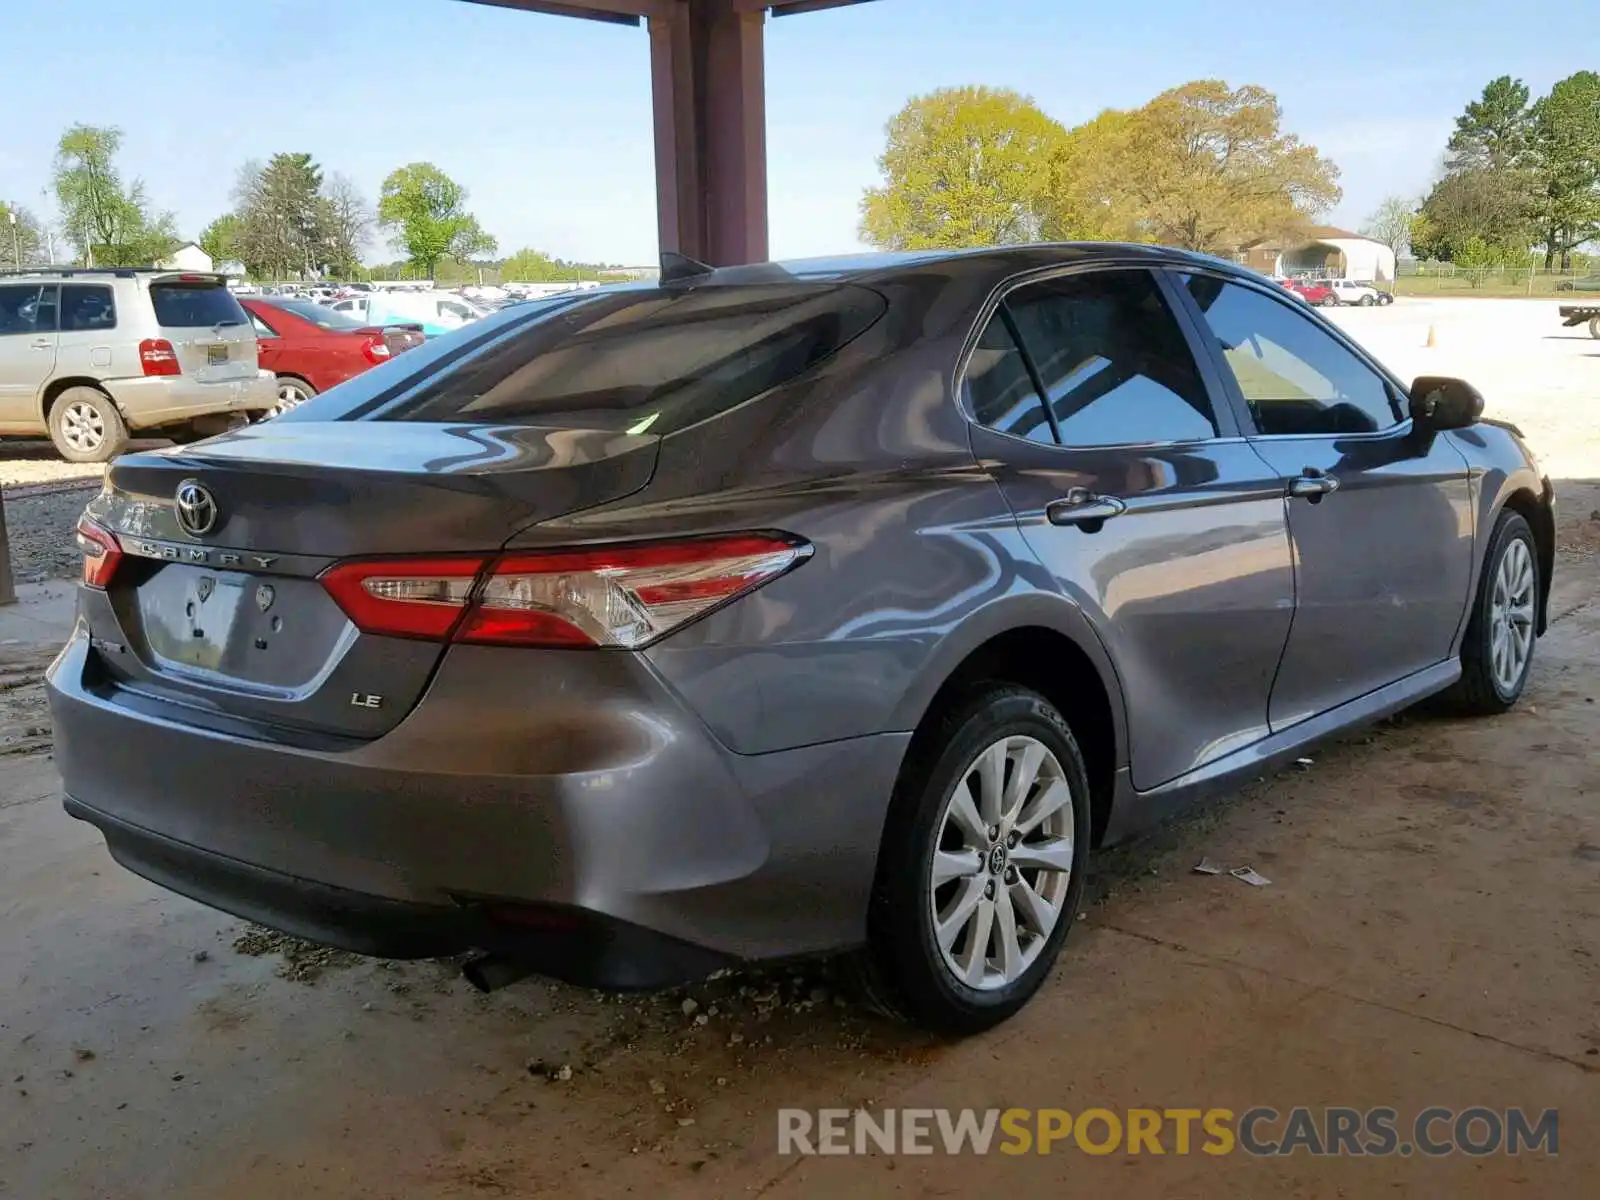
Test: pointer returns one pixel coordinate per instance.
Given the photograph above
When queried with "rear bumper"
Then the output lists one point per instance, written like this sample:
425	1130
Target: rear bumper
560	807
167	399
568	944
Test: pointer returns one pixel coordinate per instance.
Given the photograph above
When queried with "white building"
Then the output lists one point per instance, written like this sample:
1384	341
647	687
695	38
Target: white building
188	257
1323	250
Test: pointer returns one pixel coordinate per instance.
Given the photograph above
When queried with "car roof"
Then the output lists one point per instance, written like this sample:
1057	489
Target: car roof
997	261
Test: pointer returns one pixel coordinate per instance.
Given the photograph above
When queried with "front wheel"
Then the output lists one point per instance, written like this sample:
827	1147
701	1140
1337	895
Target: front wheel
983	863
1367	302
1497	649
1594	327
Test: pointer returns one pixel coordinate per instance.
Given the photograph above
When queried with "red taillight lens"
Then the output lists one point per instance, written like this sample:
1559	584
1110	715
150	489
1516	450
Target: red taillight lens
623	596
158	357
376	350
101	553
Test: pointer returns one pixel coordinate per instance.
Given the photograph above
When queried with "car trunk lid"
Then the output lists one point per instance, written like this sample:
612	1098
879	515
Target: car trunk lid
216	607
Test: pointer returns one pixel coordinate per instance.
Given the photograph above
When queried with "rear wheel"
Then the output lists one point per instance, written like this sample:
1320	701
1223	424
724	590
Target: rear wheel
292	393
1330	302
1594	327
1497	649
983	863
86	426
1367	302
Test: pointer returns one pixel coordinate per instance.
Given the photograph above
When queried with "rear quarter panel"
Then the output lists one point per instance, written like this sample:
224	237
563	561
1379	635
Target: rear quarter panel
917	556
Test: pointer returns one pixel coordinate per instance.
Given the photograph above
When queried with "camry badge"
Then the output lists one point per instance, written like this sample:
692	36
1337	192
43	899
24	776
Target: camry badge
197	508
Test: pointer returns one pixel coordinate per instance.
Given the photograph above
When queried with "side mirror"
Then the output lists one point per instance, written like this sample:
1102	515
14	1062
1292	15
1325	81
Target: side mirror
1442	402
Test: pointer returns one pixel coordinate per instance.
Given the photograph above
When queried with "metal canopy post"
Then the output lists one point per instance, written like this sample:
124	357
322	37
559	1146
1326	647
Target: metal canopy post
708	92
8	587
708	87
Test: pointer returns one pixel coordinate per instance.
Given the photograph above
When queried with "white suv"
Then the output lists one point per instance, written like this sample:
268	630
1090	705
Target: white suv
86	355
1350	291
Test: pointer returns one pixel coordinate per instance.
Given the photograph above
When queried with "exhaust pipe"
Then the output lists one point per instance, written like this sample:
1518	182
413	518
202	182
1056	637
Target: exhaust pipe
490	972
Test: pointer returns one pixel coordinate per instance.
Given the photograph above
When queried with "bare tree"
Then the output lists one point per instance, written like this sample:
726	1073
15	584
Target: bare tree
1391	223
350	220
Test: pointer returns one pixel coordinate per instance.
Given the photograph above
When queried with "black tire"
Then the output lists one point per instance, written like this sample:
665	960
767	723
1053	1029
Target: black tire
86	426
1478	692
903	968
1367	301
1594	327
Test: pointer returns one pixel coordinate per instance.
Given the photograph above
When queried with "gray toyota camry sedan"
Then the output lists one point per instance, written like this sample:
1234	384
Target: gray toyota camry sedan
840	605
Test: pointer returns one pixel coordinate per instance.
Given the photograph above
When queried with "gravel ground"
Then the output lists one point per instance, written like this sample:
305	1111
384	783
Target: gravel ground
41	527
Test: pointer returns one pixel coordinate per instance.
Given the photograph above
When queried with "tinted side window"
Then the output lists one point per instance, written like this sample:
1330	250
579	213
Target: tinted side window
27	308
86	307
1113	360
19	307
1294	376
998	390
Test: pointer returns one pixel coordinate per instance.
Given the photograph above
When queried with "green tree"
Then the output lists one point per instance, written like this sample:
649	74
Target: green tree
1564	162
110	224
21	238
283	219
964	166
1493	133
424	212
1480	203
220	239
1201	166
535	266
1390	223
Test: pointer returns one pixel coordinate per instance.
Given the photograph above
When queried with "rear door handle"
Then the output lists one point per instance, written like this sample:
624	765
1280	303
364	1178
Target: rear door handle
1313	485
42	343
1080	506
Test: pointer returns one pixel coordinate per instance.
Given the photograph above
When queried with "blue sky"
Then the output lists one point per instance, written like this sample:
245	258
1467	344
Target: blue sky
547	120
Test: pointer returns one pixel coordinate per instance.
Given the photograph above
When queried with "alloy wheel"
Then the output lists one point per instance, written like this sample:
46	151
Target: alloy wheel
83	427
1511	616
1002	862
290	395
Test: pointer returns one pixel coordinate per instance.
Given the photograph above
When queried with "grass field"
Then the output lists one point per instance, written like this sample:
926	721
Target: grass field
1505	285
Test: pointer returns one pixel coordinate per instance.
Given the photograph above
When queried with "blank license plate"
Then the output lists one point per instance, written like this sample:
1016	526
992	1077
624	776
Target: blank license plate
216	355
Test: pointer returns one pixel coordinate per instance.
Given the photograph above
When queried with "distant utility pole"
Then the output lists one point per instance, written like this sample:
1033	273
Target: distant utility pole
16	243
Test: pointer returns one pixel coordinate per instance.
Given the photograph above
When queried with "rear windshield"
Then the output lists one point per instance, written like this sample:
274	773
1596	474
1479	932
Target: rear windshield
637	359
189	305
318	314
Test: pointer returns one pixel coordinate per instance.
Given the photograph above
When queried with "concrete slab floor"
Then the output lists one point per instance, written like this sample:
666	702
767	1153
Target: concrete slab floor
1430	937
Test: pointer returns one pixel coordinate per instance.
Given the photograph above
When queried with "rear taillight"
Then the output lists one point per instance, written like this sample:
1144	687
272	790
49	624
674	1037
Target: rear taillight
376	350
622	596
101	553
158	357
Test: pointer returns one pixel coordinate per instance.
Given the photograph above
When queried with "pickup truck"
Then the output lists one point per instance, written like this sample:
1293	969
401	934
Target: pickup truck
1573	315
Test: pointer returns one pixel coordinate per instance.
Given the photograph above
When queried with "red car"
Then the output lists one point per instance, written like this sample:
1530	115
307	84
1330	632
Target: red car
310	348
1319	294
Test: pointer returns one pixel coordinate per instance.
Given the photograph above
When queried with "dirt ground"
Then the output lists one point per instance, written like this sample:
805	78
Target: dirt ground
1431	936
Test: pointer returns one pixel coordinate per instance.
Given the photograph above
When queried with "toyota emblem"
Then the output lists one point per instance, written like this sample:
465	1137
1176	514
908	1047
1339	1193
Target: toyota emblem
197	508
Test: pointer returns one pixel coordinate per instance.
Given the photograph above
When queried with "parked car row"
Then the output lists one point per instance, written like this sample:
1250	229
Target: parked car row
91	357
1330	293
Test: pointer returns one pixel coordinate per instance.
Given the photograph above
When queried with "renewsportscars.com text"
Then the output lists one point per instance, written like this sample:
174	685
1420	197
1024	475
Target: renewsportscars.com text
1261	1131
